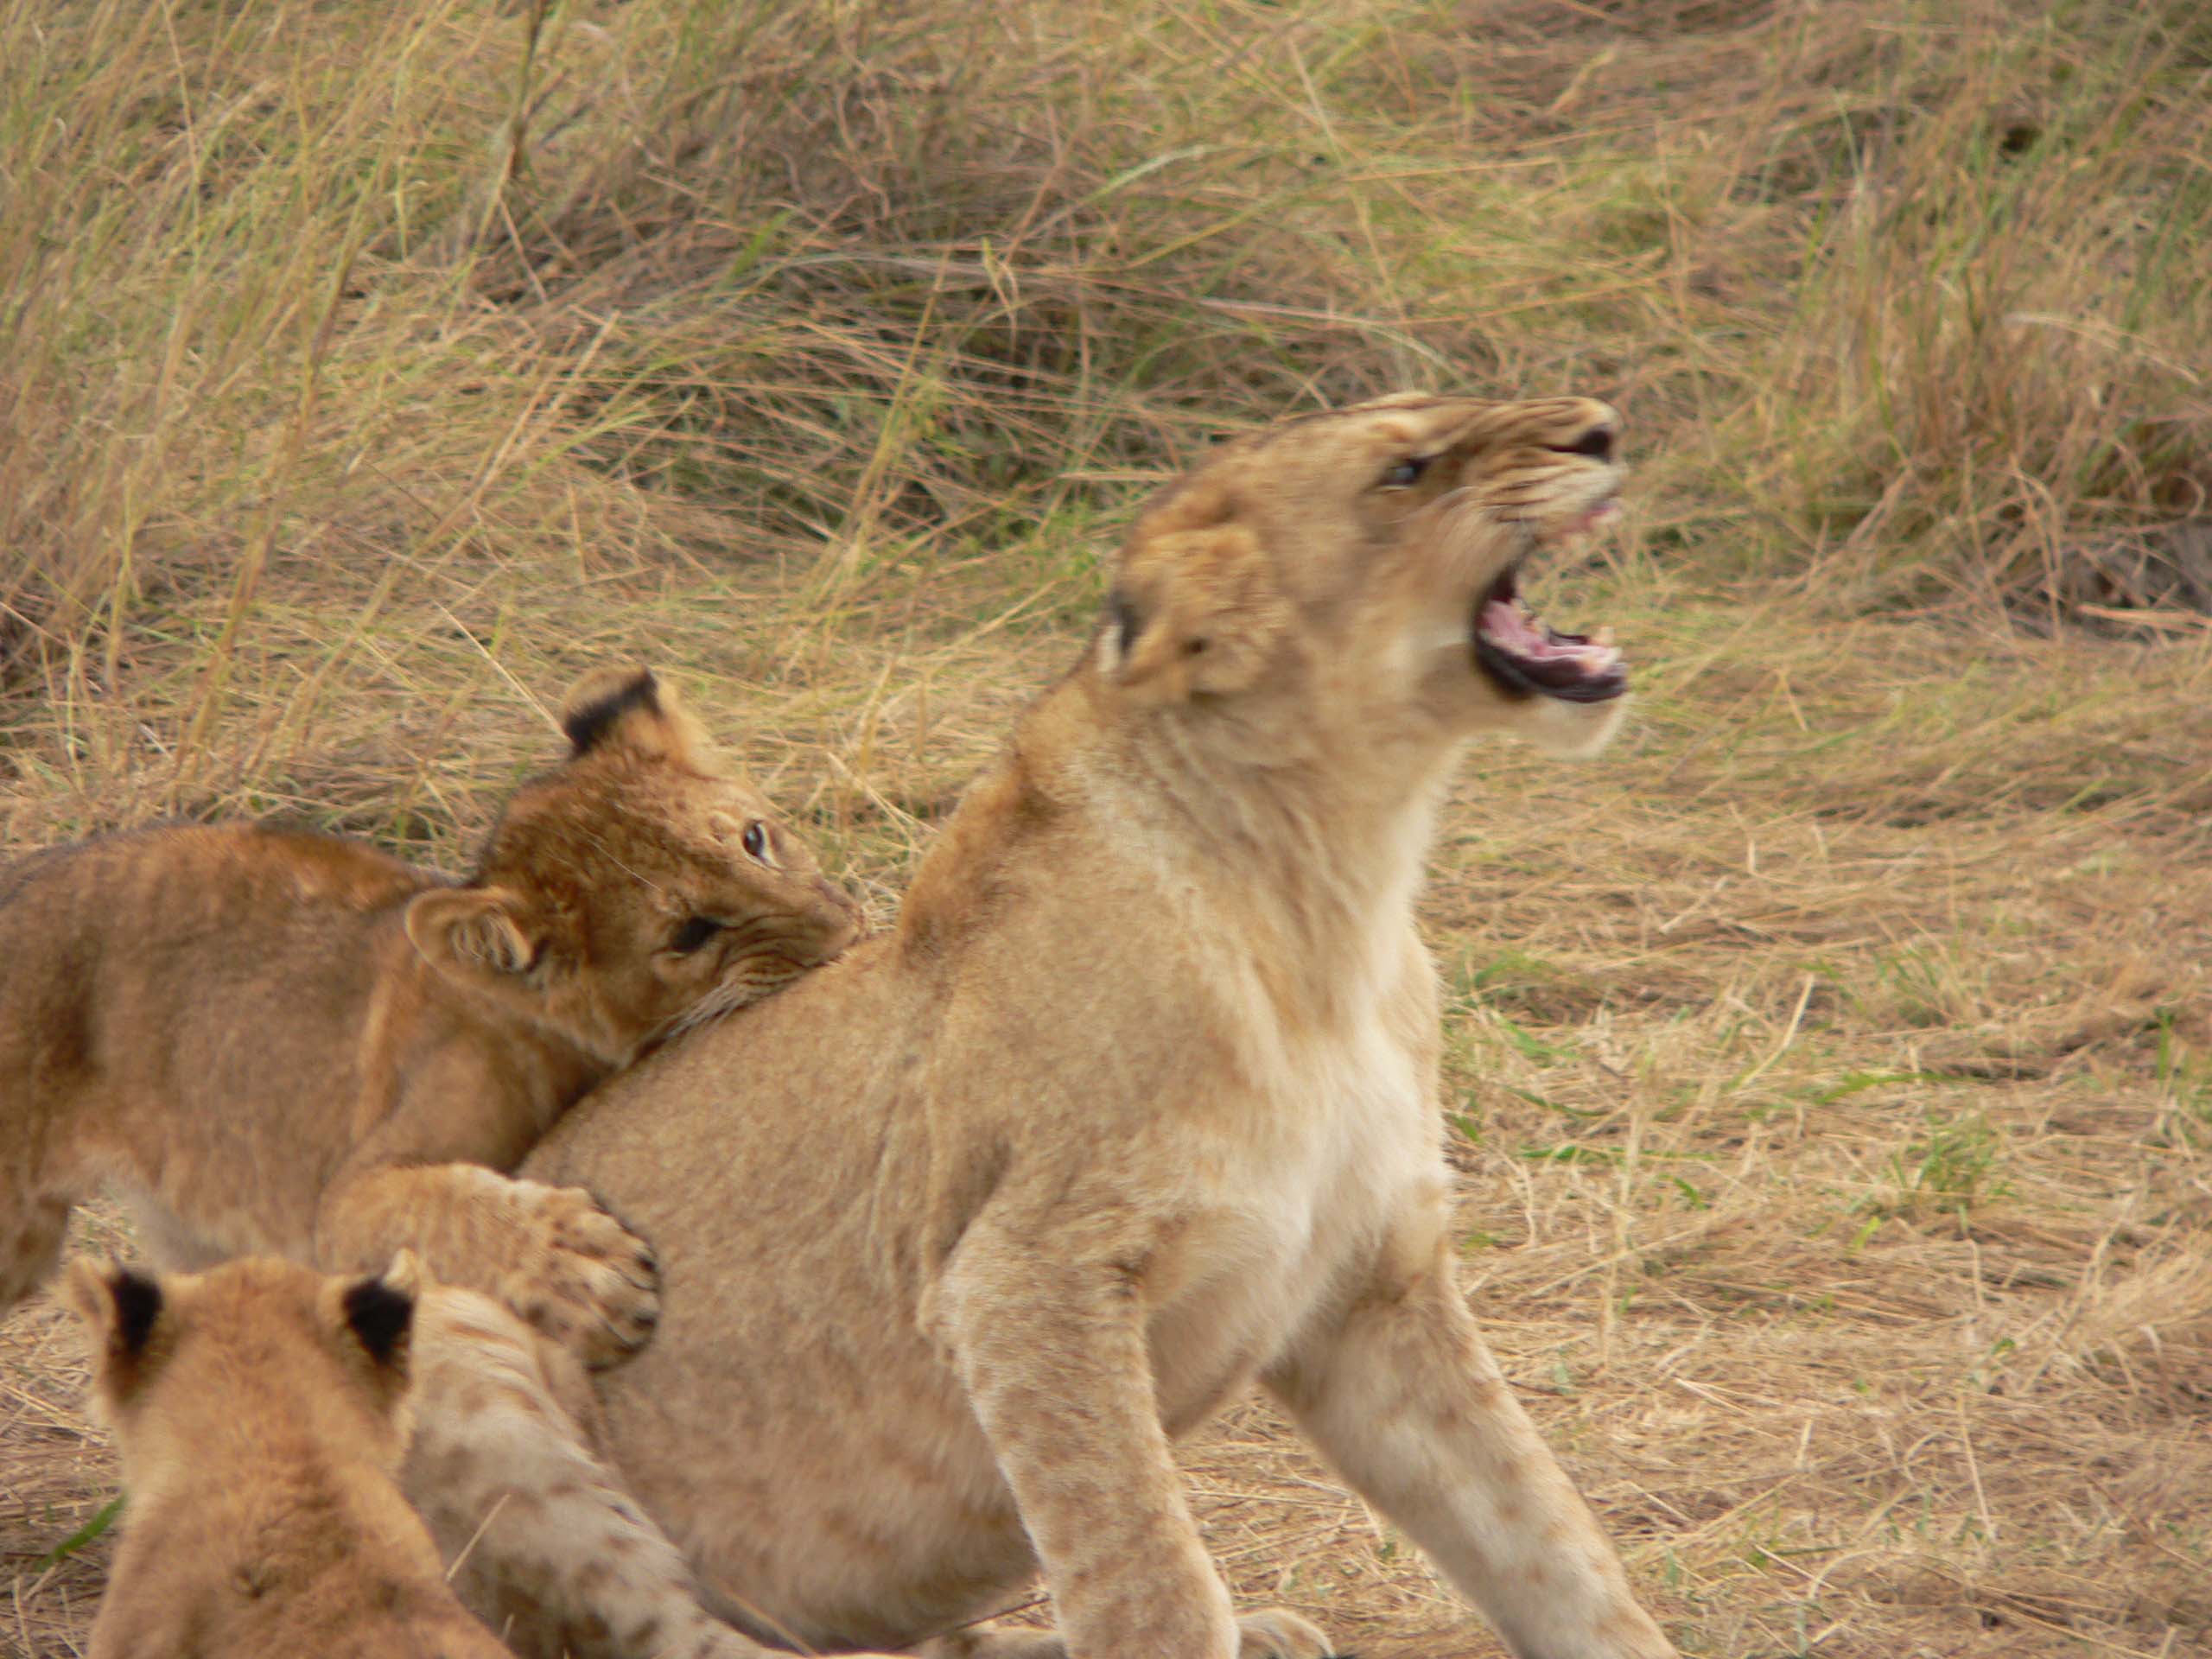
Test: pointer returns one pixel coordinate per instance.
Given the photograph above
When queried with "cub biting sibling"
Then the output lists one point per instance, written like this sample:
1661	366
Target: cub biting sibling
293	1044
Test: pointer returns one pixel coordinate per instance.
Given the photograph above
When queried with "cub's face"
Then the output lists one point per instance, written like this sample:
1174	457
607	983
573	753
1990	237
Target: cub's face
638	888
1361	571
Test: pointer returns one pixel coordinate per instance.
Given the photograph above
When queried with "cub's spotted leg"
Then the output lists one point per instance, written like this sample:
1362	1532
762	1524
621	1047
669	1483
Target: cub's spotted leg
1403	1396
546	1546
1273	1634
550	1253
550	1553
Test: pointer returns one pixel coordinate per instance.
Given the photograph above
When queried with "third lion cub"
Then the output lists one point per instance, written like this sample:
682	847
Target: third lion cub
291	1043
261	1411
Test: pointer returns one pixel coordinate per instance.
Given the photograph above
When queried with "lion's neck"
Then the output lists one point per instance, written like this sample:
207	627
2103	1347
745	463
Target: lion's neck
1321	857
1315	861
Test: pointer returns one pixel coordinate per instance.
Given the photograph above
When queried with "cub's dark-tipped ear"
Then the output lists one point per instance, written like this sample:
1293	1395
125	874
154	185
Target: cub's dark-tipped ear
121	1307
1194	612
599	703
380	1312
629	710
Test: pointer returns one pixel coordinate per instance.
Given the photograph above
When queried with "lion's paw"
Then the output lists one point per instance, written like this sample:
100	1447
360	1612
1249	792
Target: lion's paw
585	1280
1275	1634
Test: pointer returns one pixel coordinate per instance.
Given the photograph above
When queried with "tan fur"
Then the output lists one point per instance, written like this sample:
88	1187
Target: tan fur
1136	1108
261	1414
290	1043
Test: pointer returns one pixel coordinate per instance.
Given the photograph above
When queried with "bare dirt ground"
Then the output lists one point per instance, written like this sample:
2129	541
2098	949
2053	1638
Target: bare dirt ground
1830	1064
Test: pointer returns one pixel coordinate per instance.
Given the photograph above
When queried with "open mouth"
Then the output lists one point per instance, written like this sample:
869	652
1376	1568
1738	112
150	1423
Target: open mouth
1525	656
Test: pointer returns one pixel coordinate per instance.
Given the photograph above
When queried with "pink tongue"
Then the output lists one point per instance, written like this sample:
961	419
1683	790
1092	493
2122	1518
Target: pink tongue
1508	625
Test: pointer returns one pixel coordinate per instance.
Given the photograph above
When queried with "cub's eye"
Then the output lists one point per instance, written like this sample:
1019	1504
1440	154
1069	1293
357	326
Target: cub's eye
1405	472
694	934
756	842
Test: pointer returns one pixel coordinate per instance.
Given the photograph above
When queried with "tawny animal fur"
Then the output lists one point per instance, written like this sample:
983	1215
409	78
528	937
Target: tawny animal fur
294	1044
261	1413
1137	1107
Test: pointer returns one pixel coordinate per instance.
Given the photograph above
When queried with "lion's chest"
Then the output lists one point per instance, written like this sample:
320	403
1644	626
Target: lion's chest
1336	1145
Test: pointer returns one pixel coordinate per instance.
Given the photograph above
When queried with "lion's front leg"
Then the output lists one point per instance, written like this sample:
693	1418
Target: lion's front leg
1048	1335
1403	1395
1273	1634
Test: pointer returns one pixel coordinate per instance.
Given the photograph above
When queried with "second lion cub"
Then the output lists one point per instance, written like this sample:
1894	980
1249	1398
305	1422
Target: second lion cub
292	1044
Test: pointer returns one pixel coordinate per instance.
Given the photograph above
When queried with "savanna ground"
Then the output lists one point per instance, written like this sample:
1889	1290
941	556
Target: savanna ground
1830	1068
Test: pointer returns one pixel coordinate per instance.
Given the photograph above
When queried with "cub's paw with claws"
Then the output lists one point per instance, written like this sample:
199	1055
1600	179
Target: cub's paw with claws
582	1278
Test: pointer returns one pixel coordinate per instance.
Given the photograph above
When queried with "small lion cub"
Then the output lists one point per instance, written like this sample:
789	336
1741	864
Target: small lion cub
293	1045
261	1412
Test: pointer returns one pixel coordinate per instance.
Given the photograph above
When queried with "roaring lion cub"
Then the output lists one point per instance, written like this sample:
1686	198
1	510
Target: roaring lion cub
260	1410
292	1044
1136	1108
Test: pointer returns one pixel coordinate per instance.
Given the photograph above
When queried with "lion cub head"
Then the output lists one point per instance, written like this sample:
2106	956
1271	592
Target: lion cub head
1358	574
262	1412
183	1362
638	888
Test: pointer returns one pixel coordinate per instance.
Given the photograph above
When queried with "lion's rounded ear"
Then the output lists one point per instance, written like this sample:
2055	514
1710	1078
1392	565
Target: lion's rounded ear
120	1308
628	710
1194	612
475	933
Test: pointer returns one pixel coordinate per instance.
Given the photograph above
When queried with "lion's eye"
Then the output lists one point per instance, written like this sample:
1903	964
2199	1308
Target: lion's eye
694	934
1405	472
756	842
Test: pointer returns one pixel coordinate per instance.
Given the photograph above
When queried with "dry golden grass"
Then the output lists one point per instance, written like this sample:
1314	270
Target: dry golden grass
1831	1063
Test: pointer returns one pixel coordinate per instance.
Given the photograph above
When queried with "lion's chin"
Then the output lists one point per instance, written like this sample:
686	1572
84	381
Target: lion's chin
1574	731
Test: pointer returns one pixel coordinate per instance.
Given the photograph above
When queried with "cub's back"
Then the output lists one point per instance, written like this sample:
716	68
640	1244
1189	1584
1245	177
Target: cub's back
127	946
170	882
